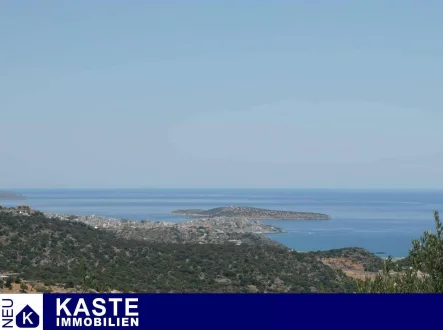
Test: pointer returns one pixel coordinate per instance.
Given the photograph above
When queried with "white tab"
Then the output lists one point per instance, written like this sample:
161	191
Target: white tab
21	311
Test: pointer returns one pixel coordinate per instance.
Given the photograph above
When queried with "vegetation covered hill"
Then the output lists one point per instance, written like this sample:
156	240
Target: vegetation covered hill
57	251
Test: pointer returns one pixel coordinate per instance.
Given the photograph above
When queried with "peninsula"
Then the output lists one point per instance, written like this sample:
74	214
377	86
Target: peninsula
251	213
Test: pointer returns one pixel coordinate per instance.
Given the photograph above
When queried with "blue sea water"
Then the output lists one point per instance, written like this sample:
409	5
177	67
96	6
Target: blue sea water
380	221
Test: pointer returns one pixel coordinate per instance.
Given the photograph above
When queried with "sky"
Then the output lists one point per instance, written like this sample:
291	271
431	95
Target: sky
252	94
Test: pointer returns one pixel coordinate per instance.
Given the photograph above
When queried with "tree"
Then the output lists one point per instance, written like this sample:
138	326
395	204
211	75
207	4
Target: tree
23	287
426	256
8	283
90	280
425	271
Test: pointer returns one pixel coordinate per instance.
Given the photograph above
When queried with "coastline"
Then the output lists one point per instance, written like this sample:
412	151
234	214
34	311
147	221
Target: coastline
227	226
191	224
354	213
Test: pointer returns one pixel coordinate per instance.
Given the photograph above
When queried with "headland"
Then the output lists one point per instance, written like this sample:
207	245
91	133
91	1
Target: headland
251	213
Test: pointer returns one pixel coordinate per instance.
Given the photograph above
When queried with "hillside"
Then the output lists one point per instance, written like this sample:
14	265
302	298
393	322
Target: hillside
58	251
354	262
251	213
368	261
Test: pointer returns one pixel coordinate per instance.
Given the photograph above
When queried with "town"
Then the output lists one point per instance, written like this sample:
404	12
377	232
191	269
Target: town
216	230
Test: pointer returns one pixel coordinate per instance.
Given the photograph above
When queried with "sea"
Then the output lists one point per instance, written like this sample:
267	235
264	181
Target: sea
381	221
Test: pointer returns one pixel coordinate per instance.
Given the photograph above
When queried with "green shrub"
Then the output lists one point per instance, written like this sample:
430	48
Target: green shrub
425	271
23	287
42	289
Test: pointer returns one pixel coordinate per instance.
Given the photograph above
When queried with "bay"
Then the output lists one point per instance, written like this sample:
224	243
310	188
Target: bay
380	221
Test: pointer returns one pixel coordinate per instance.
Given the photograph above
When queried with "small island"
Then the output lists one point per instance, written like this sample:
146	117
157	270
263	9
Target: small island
251	213
8	195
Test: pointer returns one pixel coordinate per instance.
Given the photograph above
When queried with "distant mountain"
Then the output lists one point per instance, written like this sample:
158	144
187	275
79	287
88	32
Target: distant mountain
9	195
251	213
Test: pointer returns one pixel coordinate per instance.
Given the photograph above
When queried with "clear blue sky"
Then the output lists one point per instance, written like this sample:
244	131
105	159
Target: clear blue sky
335	94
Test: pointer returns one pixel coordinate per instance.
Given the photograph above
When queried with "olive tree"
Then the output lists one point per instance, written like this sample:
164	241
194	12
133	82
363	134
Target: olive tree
424	273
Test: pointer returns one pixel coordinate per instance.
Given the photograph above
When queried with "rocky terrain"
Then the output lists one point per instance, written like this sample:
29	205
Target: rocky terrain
354	262
351	268
251	213
369	261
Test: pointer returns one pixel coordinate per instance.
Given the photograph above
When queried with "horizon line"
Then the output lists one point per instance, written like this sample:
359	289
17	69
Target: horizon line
220	188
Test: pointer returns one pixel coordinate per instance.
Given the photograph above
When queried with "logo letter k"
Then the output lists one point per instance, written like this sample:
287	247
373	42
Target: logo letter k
26	318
